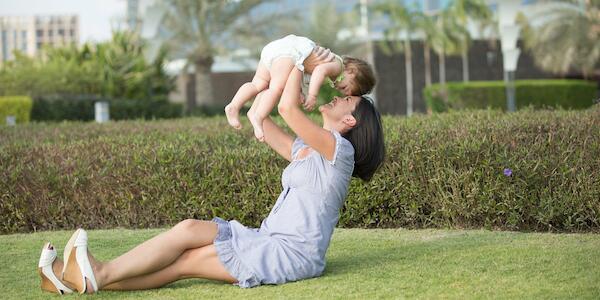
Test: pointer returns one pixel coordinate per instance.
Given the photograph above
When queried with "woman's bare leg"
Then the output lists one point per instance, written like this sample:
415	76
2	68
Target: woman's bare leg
280	71
245	93
200	262
193	263
156	253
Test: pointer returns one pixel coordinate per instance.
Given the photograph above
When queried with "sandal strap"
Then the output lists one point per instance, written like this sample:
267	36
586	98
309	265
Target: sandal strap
47	271
47	257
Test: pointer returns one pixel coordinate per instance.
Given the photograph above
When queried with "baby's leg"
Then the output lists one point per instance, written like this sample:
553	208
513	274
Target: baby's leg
280	71
245	93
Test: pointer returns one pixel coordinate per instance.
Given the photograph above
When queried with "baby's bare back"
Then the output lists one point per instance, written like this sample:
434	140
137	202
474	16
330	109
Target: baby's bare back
317	57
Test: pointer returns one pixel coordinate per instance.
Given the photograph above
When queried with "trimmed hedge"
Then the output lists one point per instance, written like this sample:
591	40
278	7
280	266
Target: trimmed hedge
568	94
444	170
81	108
18	106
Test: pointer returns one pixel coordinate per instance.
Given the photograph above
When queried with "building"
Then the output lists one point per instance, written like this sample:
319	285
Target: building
29	34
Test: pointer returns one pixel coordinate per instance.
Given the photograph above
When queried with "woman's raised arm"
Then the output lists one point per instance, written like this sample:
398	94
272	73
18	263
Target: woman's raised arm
313	135
275	137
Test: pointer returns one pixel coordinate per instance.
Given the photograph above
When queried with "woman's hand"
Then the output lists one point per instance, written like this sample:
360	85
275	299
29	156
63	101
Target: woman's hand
321	56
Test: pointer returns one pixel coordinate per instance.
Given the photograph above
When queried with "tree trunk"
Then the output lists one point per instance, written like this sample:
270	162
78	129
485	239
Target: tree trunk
465	64
189	91
409	79
427	57
442	62
204	94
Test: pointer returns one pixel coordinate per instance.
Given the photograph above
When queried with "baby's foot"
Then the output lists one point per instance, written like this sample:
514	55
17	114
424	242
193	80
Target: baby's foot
232	114
257	125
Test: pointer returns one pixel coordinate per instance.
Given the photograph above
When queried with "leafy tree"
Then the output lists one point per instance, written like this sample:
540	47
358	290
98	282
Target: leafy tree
126	72
114	69
446	39
402	22
565	36
198	30
326	26
463	11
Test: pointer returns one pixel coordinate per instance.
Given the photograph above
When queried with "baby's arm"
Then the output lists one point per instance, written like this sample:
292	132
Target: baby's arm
331	70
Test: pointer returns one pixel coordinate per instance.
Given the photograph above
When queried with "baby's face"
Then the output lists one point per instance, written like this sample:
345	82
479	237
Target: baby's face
346	86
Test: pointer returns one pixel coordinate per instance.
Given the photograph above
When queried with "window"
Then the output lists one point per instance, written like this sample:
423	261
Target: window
39	33
50	33
39	45
61	32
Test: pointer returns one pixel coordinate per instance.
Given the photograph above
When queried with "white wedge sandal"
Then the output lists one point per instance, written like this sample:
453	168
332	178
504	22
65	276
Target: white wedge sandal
50	282
77	267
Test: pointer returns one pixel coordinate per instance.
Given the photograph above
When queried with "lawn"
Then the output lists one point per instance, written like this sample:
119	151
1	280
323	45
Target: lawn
366	264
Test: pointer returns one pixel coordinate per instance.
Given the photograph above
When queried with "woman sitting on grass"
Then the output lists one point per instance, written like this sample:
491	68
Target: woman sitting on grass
291	242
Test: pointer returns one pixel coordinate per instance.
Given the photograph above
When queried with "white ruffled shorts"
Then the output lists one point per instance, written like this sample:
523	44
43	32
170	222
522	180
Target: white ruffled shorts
297	48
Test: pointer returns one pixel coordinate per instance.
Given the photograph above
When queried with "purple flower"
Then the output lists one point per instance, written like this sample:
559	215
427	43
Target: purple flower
507	172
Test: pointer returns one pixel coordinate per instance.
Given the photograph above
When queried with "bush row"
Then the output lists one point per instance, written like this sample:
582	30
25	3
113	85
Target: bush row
569	94
81	108
17	106
444	170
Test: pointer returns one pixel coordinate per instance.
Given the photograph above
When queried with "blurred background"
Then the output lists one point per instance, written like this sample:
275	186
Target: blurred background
162	59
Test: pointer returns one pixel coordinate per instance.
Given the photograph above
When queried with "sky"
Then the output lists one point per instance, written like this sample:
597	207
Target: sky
96	17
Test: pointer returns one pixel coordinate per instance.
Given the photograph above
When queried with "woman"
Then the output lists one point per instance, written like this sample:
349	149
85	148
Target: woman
291	242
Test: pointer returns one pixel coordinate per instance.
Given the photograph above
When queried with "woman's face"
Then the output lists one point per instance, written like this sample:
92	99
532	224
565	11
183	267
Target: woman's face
339	108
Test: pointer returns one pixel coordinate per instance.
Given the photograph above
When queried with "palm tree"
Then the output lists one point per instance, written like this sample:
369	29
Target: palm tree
426	24
565	36
402	22
324	25
200	29
446	39
463	10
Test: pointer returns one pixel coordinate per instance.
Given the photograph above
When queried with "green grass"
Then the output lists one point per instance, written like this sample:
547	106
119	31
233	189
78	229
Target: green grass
366	264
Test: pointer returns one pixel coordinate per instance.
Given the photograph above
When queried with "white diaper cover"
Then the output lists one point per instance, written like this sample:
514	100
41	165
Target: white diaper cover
297	48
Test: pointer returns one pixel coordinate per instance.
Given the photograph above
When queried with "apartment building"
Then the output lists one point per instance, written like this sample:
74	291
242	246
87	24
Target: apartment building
29	34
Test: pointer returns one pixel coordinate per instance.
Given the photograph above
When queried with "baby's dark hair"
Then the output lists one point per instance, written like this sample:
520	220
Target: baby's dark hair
364	77
367	139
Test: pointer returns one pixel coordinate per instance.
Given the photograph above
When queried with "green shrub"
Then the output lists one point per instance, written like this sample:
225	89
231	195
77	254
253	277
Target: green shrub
81	108
444	170
18	106
568	94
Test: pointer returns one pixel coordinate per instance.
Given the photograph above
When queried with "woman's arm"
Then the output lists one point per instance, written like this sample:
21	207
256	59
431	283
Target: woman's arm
315	136
275	137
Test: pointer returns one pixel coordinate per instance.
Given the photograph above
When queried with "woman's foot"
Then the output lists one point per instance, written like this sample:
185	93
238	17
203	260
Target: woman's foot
49	268
232	114
79	265
257	125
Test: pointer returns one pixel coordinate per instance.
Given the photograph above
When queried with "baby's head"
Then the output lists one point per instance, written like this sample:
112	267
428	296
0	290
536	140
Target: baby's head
359	78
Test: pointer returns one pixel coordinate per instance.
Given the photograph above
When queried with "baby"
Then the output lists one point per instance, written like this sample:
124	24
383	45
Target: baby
350	76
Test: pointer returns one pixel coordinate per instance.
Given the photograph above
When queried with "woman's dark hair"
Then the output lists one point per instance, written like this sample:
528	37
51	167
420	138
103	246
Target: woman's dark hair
367	139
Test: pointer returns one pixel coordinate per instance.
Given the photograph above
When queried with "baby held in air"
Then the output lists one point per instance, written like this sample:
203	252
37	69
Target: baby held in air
350	76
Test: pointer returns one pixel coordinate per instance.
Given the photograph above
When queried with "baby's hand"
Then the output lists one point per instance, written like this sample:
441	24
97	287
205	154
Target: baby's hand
322	55
310	102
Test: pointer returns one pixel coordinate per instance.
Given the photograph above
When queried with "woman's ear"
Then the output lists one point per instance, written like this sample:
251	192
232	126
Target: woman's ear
349	121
